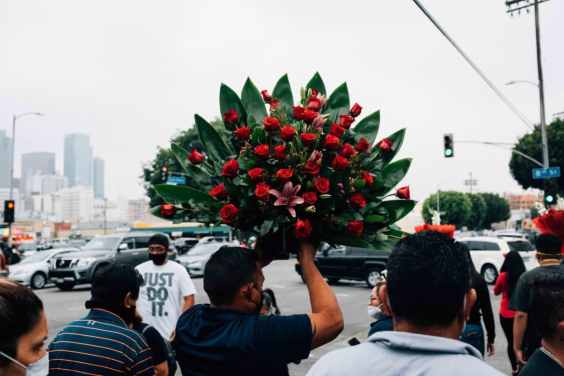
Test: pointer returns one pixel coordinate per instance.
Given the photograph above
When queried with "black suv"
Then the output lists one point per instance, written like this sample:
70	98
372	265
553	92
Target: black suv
343	262
74	268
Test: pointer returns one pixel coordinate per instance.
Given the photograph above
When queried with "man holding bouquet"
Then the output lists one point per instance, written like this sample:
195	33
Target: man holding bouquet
230	337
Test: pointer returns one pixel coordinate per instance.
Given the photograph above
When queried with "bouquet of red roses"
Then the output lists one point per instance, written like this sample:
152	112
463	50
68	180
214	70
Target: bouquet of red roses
293	171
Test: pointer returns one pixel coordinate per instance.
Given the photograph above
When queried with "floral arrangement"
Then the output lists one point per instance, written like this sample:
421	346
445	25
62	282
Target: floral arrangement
551	222
311	169
443	229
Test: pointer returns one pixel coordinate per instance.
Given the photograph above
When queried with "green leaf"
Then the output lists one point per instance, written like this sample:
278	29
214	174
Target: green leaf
316	83
368	127
181	155
266	227
258	136
338	101
178	194
283	91
397	209
397	140
228	99
392	175
375	218
215	147
253	103
199	176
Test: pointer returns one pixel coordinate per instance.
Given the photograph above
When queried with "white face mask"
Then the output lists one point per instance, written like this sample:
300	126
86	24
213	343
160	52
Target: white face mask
374	312
39	368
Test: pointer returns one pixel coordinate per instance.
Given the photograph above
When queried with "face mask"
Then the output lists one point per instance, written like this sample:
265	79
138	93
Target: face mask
374	312
157	258
39	368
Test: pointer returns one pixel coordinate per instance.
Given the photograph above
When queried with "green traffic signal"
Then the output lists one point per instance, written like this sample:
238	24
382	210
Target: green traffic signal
448	141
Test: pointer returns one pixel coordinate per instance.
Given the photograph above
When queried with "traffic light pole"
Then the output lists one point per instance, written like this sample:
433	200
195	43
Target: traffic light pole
545	160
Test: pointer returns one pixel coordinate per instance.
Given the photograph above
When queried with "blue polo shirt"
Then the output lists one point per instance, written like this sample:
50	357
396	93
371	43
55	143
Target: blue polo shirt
214	341
99	344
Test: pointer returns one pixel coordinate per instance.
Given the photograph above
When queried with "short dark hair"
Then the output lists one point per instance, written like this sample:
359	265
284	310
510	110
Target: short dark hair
111	284
548	245
547	303
428	277
20	311
160	239
226	272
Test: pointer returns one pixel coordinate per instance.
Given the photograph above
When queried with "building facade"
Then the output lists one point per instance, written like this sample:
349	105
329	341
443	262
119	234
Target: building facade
5	155
78	160
99	168
77	204
33	165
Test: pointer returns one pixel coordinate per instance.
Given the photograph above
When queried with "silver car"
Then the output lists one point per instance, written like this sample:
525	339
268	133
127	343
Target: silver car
33	271
196	259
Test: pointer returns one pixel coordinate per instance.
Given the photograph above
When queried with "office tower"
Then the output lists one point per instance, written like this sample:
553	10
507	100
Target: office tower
34	165
5	151
99	179
78	160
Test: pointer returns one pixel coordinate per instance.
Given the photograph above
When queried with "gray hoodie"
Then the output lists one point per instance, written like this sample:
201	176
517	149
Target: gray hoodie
404	354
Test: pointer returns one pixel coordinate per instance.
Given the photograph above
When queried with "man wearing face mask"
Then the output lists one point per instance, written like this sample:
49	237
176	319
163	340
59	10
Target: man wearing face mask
102	343
23	332
168	289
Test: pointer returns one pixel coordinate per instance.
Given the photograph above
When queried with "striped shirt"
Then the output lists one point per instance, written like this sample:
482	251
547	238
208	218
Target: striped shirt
99	344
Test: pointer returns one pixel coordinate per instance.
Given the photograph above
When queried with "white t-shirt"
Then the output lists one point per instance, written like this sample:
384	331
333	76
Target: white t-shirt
162	296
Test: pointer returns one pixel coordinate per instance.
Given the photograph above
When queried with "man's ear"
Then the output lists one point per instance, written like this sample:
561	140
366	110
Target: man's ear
129	301
469	301
385	300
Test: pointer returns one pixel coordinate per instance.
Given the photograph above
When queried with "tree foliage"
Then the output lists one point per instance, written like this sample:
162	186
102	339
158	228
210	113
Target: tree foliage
497	209
477	212
455	208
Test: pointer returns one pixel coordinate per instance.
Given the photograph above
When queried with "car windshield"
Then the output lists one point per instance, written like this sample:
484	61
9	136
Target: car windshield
520	246
204	249
36	257
102	243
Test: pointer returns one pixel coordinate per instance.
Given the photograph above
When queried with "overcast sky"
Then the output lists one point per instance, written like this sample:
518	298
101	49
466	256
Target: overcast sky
133	73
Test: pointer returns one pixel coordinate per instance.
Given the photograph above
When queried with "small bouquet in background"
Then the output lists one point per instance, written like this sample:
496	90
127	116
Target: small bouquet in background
443	229
283	171
551	222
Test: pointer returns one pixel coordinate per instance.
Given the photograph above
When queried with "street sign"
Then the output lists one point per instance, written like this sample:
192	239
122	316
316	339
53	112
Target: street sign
176	180
546	173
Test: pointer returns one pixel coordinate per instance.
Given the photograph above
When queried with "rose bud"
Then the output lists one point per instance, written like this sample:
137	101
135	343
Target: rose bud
319	122
230	116
311	168
322	184
308	138
242	133
355	110
218	191
298	112
284	174
367	177
355	227
346	121
340	163
228	213
287	133
403	193
266	96
385	145
309	115
302	229
362	145
310	198
262	150
358	200
271	123
336	130
280	152
262	191
167	210
274	104
256	174
348	150
332	142
230	169
314	104
196	157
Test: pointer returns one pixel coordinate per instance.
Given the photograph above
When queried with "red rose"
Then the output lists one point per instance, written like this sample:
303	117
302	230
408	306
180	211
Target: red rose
403	193
230	168
348	150
228	213
196	157
262	191
358	200
311	168
256	174
385	145
271	123
322	184
230	116
355	227
308	138
314	104
167	210
367	177
298	112
284	174
309	115
274	104
332	142
262	150
340	163
266	96
302	229
280	152
310	198
362	145
287	132
336	130
218	191
346	121
242	133
355	110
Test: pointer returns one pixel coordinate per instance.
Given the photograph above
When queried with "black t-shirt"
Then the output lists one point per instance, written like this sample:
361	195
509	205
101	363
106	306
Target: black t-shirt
482	308
541	364
214	341
156	342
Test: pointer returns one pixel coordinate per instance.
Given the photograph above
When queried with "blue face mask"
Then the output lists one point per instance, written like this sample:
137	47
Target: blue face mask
39	368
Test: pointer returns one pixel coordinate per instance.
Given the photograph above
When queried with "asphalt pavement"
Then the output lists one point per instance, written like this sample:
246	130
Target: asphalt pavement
63	307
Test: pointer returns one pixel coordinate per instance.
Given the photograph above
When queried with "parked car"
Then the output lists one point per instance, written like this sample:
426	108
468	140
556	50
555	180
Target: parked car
79	267
33	270
195	261
184	245
488	254
353	263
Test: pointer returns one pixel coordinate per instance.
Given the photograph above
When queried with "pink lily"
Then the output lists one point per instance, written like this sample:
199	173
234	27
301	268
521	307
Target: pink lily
288	197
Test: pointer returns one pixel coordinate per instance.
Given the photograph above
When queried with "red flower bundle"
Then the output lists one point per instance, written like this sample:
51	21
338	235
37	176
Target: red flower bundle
443	229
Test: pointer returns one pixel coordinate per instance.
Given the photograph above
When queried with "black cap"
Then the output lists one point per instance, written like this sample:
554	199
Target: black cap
112	283
160	239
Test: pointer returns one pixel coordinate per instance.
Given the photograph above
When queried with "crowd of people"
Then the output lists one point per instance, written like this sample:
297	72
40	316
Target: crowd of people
427	311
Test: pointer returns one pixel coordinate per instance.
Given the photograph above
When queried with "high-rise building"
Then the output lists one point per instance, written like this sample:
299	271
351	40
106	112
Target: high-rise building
78	160
99	179
52	183
77	204
36	164
5	153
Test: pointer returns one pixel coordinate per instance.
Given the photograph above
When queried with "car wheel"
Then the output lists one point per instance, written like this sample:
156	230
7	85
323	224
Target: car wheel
372	278
489	273
66	286
332	281
38	281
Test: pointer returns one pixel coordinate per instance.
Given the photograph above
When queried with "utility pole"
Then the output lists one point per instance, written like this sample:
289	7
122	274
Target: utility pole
105	216
471	182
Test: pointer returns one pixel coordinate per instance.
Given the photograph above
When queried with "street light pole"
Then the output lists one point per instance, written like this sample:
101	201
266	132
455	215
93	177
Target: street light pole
545	160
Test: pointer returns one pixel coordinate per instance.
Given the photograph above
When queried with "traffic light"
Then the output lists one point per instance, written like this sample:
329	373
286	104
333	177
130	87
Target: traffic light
550	197
9	211
164	173
448	145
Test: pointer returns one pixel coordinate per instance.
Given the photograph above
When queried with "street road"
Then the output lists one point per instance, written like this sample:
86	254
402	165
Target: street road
63	307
